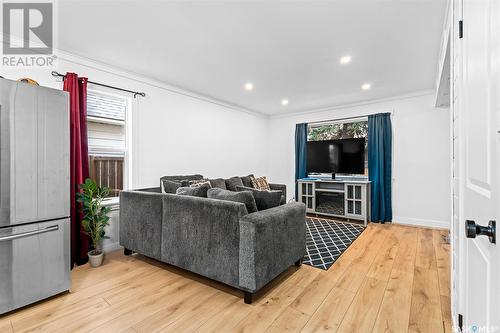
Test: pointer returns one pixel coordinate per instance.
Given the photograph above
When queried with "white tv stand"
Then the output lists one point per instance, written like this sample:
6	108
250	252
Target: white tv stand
346	197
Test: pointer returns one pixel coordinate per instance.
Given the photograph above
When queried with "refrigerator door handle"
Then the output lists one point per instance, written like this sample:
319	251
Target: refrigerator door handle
29	233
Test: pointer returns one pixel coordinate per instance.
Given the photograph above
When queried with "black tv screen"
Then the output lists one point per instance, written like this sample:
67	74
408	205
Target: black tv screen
338	156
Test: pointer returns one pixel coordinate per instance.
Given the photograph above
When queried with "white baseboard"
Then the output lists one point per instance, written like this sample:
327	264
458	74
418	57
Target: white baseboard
421	222
111	247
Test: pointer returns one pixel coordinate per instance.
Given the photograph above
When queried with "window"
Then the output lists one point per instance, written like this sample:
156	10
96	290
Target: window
341	130
106	120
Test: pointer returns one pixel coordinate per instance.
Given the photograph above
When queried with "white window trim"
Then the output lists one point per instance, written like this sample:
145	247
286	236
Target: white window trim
127	153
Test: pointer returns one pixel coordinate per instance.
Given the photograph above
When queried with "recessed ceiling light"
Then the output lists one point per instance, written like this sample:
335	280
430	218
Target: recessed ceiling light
345	60
249	86
366	86
284	102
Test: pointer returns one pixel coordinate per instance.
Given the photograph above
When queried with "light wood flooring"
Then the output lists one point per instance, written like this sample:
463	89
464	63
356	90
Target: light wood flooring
392	279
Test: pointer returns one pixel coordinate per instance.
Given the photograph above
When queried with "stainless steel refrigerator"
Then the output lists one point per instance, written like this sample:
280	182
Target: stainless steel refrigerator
34	194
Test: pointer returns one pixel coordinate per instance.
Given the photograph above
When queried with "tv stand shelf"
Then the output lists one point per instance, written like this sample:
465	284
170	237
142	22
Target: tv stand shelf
348	197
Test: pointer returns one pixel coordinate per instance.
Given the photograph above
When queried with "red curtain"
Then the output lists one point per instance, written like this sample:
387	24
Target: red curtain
79	160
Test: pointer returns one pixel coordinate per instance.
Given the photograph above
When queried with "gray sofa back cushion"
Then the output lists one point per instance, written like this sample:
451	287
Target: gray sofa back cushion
219	183
263	199
232	182
181	178
245	197
247	180
194	191
171	186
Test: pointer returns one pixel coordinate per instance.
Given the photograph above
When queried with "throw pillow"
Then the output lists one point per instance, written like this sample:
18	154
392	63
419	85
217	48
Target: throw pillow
245	197
247	180
218	182
232	182
201	182
199	191
264	199
170	186
260	183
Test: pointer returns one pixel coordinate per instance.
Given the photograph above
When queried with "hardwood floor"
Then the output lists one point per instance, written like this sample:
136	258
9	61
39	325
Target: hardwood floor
391	279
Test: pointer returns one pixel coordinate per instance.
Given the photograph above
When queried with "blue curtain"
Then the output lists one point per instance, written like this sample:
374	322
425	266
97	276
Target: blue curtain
300	154
380	166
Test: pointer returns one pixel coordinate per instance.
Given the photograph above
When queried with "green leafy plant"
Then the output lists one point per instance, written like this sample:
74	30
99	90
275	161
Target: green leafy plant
335	131
95	216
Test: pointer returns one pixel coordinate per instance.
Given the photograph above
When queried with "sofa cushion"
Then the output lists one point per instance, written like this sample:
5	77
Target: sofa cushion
181	178
245	197
171	186
263	199
195	191
247	180
260	183
232	182
219	183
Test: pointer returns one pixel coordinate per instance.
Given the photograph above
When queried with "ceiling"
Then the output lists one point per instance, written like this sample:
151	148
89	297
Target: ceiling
287	49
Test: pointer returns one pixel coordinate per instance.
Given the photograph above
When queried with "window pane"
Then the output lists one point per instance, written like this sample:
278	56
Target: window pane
105	106
107	171
335	131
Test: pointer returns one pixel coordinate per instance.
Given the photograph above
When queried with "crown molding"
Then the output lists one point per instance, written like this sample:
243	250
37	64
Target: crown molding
355	104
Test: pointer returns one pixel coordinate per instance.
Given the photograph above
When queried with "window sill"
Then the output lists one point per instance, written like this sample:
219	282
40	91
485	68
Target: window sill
111	202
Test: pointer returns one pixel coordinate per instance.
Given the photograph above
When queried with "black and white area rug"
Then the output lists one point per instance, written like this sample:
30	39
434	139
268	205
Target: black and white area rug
327	240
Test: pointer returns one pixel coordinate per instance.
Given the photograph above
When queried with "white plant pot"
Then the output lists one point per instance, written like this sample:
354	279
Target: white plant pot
95	260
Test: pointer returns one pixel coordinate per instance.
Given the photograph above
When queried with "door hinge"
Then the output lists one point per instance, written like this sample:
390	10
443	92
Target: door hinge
460	323
461	29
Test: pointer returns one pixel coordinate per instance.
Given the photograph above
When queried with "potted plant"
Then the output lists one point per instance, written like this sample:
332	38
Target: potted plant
95	217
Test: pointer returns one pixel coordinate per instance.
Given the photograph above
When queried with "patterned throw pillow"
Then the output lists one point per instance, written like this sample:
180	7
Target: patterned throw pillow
260	183
200	182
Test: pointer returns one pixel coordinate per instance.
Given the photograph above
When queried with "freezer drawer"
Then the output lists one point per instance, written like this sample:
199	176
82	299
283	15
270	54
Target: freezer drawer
34	263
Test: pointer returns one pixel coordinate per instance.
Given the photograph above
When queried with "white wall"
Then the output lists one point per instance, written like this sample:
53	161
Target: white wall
421	170
173	131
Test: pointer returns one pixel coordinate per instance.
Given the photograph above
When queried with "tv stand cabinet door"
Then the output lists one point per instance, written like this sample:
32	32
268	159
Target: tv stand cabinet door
307	195
355	201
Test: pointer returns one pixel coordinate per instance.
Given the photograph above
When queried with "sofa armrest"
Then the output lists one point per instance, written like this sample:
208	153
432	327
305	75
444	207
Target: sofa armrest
270	241
140	222
282	188
202	236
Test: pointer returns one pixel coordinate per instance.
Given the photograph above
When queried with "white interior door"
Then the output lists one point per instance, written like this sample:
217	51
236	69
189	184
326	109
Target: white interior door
479	185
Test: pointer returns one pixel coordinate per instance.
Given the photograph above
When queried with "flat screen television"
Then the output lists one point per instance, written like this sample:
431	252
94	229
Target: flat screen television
336	156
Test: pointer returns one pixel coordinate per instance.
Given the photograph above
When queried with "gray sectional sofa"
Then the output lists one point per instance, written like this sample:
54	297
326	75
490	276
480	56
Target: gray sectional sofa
217	239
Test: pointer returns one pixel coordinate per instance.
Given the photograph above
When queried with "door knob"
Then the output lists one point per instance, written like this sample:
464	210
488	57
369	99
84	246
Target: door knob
472	230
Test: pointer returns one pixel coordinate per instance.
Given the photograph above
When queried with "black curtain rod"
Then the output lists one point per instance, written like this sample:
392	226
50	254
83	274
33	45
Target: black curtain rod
54	73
